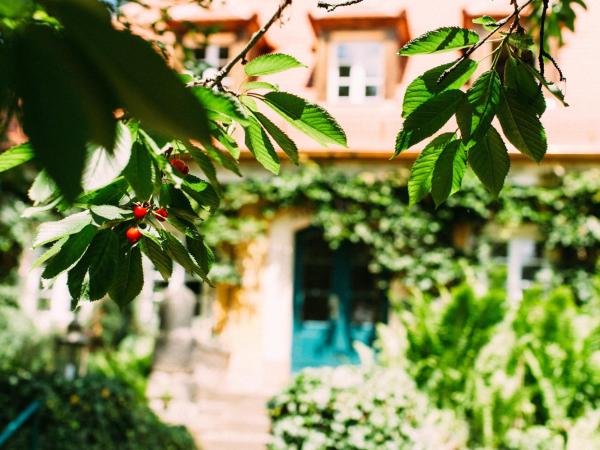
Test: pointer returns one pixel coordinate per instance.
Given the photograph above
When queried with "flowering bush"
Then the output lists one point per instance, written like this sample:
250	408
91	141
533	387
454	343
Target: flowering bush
360	408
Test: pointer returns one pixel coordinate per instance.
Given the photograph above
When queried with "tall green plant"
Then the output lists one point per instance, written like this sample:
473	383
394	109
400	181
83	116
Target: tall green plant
506	368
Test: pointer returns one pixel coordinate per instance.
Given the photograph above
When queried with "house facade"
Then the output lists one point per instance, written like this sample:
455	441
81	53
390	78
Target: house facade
298	303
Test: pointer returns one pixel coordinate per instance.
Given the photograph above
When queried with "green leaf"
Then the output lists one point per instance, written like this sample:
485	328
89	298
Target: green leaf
76	276
53	113
427	86
419	183
177	202
520	80
488	23
269	64
103	166
201	253
521	126
307	117
223	159
15	156
184	224
70	252
476	114
428	118
180	254
489	160
228	142
138	172
129	279
201	191
52	251
52	231
18	9
33	211
110	212
220	105
448	171
282	139
42	188
103	255
254	85
110	194
157	256
551	87
441	40
261	147
205	164
139	77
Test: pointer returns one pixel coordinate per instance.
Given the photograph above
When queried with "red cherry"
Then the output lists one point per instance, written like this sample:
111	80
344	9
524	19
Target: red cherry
161	214
180	165
139	212
133	234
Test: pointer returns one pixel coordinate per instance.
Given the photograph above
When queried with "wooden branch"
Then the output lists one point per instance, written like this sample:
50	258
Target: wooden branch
241	56
545	5
333	6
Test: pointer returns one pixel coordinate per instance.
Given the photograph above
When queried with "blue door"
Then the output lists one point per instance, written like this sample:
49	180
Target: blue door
336	302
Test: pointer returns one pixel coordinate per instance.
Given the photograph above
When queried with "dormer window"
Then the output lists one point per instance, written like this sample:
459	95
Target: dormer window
356	73
356	60
206	44
211	58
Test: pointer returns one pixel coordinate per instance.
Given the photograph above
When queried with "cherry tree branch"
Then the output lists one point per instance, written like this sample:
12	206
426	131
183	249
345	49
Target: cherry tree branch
514	16
333	6
241	56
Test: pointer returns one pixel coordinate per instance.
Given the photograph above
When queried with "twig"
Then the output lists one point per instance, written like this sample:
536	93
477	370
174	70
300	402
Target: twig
470	50
545	5
241	56
333	6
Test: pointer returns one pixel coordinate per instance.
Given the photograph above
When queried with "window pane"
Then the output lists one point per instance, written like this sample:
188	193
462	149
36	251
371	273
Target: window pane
316	307
530	271
200	53
344	91
499	250
344	71
371	91
223	52
343	51
316	277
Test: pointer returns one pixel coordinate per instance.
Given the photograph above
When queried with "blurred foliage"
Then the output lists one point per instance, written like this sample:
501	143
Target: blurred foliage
106	409
360	408
515	372
561	14
21	346
93	413
130	361
460	371
417	243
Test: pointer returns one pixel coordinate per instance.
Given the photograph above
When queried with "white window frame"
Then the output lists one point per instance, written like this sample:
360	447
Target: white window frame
358	81
213	59
520	253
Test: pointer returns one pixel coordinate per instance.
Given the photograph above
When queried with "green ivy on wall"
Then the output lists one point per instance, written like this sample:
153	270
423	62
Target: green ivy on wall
417	243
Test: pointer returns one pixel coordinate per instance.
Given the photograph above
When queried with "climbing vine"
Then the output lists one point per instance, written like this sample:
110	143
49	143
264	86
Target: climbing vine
419	244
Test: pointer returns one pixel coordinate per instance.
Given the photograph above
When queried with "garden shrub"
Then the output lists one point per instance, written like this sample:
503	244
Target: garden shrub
21	345
92	413
472	371
360	408
523	374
